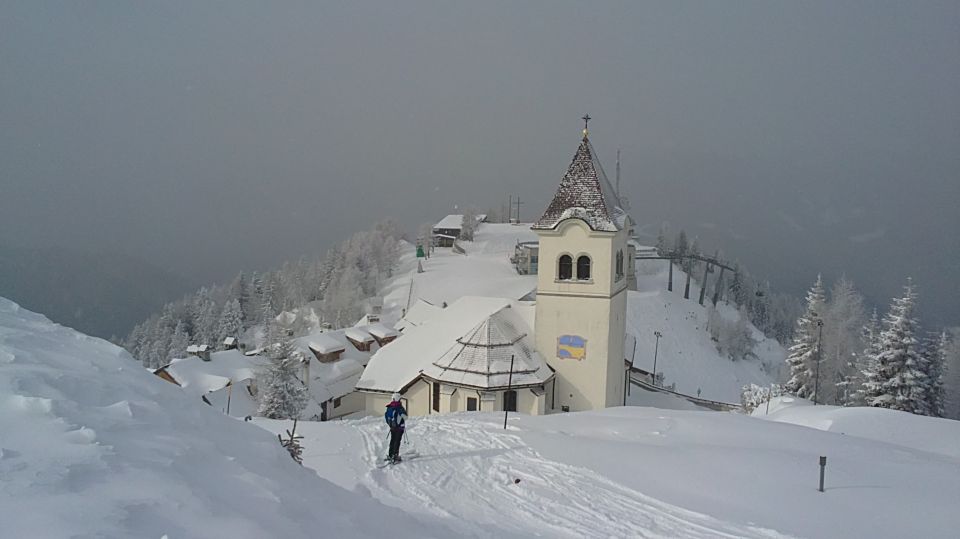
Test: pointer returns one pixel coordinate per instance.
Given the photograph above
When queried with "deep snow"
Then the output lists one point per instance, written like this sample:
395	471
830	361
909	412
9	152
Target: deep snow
632	471
93	445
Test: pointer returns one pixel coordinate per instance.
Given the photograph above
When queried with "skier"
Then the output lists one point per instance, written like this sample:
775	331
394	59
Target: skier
395	417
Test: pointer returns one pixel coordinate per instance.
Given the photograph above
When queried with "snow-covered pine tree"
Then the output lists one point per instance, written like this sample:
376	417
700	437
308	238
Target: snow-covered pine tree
803	352
898	381
737	288
692	264
866	363
468	225
759	307
934	350
951	374
178	342
681	246
737	340
239	290
281	393
662	246
842	323
231	321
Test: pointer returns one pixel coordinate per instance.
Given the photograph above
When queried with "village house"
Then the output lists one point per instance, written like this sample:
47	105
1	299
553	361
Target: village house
447	230
331	363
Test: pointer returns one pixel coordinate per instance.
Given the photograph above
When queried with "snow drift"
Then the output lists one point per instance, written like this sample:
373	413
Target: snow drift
94	445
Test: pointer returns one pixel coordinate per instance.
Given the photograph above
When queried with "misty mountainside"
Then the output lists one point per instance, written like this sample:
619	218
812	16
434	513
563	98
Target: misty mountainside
102	294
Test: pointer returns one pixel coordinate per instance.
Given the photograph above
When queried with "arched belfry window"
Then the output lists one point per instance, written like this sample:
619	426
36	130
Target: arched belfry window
619	264
565	268
583	268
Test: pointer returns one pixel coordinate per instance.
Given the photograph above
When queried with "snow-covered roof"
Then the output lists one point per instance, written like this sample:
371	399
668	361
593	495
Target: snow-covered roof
381	331
230	341
358	335
395	366
325	344
421	311
200	377
450	222
482	357
585	193
334	380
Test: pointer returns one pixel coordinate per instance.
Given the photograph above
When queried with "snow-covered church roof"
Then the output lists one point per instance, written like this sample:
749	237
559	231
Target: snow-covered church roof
586	194
482	357
401	362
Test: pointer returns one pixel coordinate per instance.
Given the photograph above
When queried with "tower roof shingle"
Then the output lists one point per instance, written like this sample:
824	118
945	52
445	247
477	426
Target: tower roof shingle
586	194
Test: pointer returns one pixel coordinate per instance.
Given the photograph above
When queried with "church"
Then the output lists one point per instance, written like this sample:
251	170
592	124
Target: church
562	350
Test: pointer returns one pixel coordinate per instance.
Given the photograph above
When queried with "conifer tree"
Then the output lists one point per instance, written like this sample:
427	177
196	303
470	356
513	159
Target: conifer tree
738	288
231	321
843	321
803	352
178	342
468	224
661	246
866	364
681	246
934	357
898	381
281	393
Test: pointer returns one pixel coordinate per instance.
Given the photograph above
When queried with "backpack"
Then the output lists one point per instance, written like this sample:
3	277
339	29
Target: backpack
394	416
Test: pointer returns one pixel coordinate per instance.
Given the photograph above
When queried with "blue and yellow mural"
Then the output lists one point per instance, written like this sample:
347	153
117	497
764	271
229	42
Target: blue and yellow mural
571	347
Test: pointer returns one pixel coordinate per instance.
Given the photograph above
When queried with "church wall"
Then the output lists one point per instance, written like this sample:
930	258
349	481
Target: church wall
594	312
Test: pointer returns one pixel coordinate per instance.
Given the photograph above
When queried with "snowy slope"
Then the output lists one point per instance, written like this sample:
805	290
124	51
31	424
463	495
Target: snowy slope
484	271
627	472
92	445
686	355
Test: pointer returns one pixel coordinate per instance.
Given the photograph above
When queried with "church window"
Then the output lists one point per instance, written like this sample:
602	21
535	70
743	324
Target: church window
436	396
471	404
619	265
583	268
565	271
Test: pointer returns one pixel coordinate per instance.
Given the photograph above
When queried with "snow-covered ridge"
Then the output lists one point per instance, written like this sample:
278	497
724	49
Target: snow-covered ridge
91	444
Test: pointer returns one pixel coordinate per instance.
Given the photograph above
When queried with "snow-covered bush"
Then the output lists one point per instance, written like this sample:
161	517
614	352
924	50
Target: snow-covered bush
732	337
753	396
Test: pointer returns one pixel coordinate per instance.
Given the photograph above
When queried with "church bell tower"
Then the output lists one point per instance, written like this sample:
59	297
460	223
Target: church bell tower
582	285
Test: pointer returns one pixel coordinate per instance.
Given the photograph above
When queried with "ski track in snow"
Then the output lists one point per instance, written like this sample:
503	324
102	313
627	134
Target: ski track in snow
466	474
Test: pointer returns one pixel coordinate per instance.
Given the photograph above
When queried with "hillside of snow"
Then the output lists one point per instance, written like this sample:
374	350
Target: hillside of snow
630	471
93	445
686	356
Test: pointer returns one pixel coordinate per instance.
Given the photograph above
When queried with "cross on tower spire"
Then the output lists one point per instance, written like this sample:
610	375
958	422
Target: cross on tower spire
586	120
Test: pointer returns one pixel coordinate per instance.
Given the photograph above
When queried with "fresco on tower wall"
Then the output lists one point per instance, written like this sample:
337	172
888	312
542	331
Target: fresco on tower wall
571	347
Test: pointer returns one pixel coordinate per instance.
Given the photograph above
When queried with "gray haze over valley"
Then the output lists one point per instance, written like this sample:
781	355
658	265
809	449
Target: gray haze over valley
149	148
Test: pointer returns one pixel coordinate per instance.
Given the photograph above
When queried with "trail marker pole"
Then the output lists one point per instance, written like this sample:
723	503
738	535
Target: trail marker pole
506	408
656	348
823	467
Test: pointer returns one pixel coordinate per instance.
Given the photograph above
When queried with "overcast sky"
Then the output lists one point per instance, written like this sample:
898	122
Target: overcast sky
209	137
